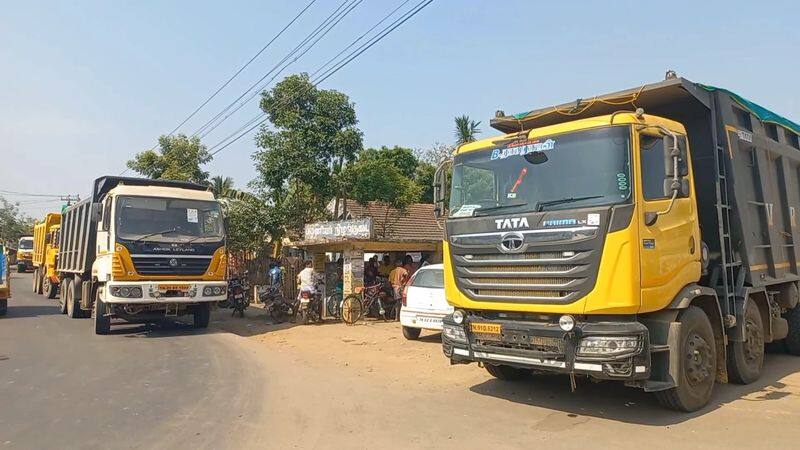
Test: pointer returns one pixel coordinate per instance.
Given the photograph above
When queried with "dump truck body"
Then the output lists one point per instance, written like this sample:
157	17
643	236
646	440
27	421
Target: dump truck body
45	255
578	234
143	249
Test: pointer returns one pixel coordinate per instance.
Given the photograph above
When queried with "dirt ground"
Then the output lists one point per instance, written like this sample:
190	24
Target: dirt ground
365	386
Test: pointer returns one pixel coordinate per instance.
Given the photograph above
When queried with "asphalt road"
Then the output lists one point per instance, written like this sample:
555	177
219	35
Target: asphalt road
161	387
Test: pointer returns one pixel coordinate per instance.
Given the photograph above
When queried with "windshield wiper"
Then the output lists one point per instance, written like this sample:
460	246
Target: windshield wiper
495	208
171	230
540	206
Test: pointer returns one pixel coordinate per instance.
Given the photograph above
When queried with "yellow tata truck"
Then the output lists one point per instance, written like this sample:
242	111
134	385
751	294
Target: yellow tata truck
24	254
142	250
648	236
45	255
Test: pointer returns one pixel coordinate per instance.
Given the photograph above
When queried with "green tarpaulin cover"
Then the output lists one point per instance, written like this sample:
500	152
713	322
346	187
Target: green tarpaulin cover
762	113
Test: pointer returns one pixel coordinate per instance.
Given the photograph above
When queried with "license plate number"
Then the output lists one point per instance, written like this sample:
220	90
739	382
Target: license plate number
485	328
173	287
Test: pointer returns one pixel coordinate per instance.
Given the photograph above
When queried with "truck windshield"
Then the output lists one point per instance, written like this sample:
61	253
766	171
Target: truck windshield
26	244
570	170
168	219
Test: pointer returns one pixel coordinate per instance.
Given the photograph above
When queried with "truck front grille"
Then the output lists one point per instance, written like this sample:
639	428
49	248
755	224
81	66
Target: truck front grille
147	265
534	277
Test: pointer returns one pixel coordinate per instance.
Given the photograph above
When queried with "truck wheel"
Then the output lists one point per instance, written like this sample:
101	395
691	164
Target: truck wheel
62	298
202	315
48	288
507	373
792	341
3	306
697	358
745	359
73	307
21	268
102	323
412	334
35	281
40	283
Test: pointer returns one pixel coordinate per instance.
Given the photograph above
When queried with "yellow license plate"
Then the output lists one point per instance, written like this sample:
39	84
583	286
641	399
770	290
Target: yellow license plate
173	287
485	328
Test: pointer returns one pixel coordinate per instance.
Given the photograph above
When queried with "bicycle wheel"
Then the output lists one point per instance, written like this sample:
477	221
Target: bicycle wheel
352	309
333	305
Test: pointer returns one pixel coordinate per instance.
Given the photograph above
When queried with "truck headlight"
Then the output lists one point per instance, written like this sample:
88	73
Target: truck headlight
454	333
609	345
458	316
213	291
126	291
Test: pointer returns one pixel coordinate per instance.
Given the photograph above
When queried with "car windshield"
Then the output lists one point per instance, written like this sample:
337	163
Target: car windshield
429	278
570	170
168	219
26	244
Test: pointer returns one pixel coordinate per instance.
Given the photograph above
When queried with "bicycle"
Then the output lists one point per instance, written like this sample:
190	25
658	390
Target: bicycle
333	304
356	305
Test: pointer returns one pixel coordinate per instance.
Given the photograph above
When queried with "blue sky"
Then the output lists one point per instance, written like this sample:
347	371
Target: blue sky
85	85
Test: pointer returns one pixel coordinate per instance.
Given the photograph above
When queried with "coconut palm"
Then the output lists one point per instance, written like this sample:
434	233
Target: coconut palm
466	130
221	186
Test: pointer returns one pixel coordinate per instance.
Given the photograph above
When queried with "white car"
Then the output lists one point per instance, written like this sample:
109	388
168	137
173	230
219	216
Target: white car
424	303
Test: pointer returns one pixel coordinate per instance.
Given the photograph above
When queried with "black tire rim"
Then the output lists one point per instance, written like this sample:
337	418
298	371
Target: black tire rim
699	360
754	347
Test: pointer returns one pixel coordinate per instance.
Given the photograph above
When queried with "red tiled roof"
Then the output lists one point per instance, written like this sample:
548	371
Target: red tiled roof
416	223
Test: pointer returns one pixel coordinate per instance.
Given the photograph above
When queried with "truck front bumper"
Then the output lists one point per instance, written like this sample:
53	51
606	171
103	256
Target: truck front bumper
544	346
165	292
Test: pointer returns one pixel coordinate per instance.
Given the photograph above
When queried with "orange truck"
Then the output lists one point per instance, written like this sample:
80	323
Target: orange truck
45	255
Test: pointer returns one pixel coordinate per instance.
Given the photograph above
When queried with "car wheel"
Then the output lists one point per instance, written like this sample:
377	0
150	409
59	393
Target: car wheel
412	334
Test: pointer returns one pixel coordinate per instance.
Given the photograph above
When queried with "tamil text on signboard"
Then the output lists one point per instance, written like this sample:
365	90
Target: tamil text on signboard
321	231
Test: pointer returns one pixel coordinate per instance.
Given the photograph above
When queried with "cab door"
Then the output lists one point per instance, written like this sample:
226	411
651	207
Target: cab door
670	246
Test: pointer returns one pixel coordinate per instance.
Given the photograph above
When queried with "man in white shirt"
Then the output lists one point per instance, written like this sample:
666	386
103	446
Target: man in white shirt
306	278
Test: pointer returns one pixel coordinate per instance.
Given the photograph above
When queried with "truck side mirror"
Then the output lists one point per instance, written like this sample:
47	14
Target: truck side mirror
97	212
440	188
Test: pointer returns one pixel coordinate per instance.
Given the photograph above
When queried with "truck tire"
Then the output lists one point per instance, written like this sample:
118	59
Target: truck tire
745	359
74	310
792	341
40	281
412	334
102	323
698	364
35	281
62	298
507	373
21	268
48	288
202	315
3	306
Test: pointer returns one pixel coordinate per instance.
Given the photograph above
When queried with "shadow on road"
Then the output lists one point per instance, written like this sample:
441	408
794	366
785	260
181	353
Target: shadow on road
19	311
167	328
613	401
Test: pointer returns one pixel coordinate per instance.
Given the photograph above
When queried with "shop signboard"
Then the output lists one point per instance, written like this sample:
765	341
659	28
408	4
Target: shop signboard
343	229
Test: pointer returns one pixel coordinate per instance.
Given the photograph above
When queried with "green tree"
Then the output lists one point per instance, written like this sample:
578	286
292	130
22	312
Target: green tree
13	224
466	130
423	177
178	158
249	225
313	136
402	158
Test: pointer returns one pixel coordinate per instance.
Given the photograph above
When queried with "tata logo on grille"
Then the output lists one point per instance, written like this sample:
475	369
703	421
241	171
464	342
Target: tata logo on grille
511	242
173	262
510	223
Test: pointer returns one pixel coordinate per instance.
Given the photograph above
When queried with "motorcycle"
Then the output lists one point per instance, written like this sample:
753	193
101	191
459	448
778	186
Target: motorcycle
237	299
278	308
309	308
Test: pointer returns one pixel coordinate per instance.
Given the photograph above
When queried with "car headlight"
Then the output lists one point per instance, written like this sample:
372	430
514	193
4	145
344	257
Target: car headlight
454	333
126	291
609	345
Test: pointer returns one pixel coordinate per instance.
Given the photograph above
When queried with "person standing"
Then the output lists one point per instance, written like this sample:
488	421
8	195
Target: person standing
398	278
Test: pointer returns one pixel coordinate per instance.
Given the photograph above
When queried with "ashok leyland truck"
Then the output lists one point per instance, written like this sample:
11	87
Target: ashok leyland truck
24	254
648	236
45	255
142	250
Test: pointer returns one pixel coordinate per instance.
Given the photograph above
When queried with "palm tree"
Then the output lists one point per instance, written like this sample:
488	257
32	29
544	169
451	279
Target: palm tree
221	187
466	130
